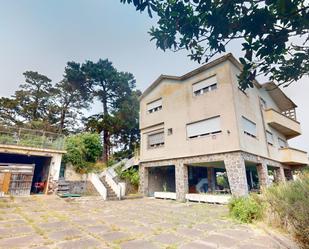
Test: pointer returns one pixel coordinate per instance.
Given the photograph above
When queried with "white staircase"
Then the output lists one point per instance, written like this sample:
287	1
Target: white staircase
105	183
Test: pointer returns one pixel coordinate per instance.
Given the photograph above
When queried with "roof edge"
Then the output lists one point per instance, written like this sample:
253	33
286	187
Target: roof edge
198	70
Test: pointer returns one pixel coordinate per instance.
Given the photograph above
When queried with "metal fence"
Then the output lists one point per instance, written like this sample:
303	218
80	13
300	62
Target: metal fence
31	138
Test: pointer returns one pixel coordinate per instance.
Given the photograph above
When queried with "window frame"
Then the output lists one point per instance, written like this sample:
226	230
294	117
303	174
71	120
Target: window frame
204	90
285	143
155	109
155	146
246	132
272	135
206	134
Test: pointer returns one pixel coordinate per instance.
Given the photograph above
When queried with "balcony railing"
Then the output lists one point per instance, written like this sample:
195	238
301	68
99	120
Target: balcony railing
31	138
293	156
290	114
283	123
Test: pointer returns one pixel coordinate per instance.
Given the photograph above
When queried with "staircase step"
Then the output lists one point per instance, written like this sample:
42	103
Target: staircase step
111	195
112	199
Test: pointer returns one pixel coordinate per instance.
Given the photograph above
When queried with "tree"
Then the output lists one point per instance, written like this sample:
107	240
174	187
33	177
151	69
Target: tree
102	81
69	104
83	150
37	104
128	135
8	111
274	33
34	96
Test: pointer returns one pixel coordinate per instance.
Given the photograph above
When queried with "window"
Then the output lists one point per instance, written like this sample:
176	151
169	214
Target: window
270	138
204	127
205	86
156	139
154	106
249	127
282	143
263	103
170	131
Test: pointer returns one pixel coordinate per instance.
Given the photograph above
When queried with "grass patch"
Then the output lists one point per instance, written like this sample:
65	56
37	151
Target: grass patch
246	209
288	208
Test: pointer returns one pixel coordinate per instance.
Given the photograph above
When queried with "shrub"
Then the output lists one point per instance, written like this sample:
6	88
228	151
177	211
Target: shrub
222	180
289	202
246	209
130	175
83	150
7	139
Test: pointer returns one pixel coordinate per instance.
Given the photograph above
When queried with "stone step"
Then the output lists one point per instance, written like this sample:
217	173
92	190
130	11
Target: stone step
112	198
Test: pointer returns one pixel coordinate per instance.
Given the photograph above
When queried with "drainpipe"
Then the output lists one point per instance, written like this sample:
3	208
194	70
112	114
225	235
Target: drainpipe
264	126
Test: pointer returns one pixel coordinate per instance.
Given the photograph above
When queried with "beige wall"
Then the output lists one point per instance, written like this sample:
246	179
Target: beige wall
248	105
180	107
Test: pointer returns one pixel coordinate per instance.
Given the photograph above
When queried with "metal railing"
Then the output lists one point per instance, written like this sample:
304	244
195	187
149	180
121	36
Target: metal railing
31	138
290	114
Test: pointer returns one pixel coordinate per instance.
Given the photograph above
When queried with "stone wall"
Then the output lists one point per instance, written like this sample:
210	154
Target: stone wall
82	188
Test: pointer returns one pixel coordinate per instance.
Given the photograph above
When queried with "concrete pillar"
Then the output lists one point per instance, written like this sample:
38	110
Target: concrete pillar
55	165
53	176
236	173
143	180
182	185
211	179
263	175
279	175
288	174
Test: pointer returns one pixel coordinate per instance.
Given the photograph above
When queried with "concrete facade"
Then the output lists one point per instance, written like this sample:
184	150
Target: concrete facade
231	146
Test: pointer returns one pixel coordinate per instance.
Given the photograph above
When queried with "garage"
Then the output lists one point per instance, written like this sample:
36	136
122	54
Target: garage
25	171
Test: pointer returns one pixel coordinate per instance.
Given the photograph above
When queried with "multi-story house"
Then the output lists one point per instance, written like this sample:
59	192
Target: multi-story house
202	126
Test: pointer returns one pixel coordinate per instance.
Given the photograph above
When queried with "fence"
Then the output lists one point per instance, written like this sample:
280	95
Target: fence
31	138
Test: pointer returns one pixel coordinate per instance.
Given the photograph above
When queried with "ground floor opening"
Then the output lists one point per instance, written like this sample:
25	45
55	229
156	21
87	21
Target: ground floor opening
236	173
161	179
208	177
253	180
24	174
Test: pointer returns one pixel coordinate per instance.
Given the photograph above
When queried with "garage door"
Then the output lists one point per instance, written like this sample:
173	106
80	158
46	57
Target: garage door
16	179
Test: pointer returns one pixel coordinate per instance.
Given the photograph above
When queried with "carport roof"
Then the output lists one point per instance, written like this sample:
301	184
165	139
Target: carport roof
14	149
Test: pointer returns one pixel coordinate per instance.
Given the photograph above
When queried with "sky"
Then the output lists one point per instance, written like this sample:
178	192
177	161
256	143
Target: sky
44	35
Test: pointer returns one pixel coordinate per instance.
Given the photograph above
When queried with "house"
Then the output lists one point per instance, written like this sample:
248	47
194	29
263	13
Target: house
202	127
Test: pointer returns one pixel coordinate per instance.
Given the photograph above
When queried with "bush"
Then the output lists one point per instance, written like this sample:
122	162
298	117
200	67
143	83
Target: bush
83	150
289	202
222	180
130	175
7	139
246	209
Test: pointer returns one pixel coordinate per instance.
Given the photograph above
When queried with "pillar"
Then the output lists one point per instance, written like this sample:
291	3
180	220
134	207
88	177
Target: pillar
279	174
263	175
288	174
211	179
181	175
143	180
236	173
53	174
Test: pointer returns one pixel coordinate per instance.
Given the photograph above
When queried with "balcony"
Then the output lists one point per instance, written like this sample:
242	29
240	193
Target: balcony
31	138
286	125
293	156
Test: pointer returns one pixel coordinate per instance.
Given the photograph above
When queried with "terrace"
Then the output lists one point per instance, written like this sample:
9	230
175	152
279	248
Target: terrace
31	138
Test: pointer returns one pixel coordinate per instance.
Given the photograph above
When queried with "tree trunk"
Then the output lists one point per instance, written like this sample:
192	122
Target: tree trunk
105	155
62	118
106	143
